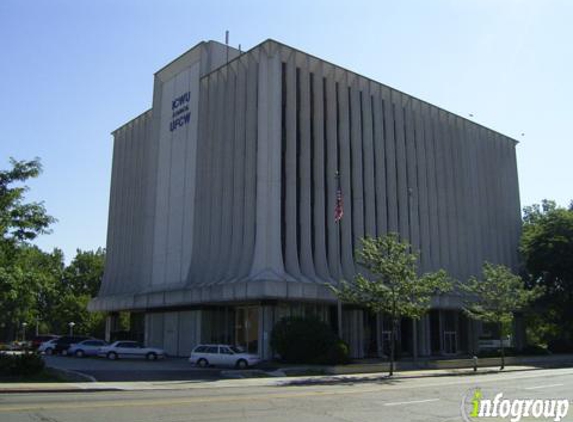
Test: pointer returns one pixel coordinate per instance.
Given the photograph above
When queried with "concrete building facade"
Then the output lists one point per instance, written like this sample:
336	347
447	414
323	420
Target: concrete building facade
221	216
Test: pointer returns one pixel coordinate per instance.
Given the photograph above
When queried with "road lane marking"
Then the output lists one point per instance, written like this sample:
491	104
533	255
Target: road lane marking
398	403
539	387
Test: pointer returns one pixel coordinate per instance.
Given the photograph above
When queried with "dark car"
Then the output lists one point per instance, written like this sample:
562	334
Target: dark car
36	341
62	344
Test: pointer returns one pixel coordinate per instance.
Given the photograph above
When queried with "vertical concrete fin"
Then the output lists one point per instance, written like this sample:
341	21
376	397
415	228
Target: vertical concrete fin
268	259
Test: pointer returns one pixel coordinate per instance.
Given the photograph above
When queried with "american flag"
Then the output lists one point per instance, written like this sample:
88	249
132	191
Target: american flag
339	209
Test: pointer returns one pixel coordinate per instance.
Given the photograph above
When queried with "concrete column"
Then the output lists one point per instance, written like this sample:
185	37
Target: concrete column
266	324
353	332
268	259
238	172
421	194
368	160
441	189
332	158
413	168
423	336
402	166
346	224
108	328
228	144
441	325
319	166
216	181
356	166
451	210
290	162
305	168
379	345
414	339
380	163
433	219
390	150
251	186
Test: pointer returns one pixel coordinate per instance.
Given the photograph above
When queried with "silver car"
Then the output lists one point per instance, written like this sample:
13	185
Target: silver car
86	348
130	349
222	354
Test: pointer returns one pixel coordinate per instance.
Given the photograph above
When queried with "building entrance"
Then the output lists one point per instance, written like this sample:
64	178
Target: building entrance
247	328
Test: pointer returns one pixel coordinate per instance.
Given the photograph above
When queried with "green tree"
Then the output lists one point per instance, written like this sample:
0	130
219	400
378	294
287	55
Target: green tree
28	287
547	250
391	283
84	274
79	283
495	297
21	280
20	221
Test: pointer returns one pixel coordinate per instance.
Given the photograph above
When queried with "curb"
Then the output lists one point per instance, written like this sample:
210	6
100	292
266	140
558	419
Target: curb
59	390
70	375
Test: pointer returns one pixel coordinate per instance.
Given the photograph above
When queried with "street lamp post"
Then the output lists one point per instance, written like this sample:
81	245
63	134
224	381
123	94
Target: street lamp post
71	325
24	325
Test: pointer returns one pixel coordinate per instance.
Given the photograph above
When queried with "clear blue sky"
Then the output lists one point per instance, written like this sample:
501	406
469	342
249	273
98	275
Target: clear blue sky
72	71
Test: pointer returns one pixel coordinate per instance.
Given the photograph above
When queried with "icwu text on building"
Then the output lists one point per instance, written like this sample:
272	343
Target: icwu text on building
223	199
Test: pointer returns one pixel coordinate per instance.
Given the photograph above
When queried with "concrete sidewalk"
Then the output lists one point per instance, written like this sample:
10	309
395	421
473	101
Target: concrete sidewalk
67	387
366	370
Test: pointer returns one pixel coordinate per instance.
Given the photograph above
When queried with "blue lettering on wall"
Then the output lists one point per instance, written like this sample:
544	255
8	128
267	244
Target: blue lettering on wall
179	101
180	121
179	106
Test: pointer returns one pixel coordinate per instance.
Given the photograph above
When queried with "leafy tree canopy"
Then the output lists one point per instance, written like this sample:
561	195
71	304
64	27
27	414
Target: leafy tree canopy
20	221
497	295
391	283
547	247
547	250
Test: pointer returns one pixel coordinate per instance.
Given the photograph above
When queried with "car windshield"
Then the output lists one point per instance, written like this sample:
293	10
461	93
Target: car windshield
237	349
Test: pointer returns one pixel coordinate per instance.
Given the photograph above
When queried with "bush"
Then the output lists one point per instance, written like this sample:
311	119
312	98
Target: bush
24	364
561	345
534	350
337	353
307	340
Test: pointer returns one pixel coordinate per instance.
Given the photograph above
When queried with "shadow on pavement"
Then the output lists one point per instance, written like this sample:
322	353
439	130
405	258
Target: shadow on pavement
346	380
155	376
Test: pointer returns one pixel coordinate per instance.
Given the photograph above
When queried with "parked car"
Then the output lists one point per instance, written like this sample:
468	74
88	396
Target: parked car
88	347
222	354
38	340
48	347
62	344
130	349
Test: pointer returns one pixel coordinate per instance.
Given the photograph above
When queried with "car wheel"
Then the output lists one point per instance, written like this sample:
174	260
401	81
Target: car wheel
151	356
242	364
112	356
80	353
202	363
49	351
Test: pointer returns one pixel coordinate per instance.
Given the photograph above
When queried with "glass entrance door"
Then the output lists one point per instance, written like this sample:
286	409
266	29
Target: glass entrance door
247	328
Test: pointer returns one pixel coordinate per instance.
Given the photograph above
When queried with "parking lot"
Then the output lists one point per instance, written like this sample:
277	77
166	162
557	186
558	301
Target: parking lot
169	369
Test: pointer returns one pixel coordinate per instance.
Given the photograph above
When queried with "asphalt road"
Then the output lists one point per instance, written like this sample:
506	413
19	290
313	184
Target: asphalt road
134	369
323	399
